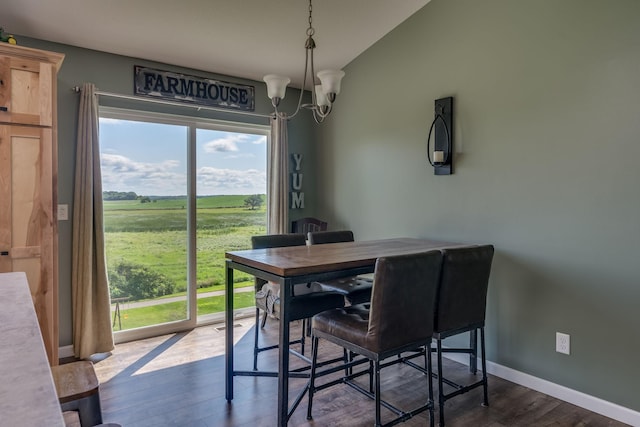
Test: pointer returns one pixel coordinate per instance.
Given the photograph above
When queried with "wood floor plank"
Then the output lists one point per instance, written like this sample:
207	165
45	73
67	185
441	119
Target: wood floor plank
178	380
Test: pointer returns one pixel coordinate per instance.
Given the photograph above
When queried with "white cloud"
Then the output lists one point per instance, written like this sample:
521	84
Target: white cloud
229	143
231	181
223	145
120	173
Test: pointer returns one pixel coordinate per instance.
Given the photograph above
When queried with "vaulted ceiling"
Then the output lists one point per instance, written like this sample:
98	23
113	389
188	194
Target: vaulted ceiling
243	38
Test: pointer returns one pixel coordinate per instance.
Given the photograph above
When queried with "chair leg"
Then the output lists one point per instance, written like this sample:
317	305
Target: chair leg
370	376
346	359
351	356
484	369
473	355
264	320
309	327
255	341
377	392
427	359
440	384
302	335
427	349
312	382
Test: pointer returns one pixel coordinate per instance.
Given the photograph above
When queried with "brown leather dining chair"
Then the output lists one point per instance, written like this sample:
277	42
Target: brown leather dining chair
460	308
399	318
356	289
303	305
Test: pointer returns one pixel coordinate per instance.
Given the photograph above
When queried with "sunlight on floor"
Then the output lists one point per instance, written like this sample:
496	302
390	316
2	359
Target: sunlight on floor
157	353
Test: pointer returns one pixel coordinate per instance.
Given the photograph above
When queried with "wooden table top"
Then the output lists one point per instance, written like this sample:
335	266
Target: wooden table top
301	260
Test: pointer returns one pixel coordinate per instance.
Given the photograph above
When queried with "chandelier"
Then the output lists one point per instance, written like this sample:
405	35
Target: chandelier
322	95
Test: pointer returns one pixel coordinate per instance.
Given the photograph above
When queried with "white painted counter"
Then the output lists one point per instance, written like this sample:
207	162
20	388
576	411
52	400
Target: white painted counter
27	392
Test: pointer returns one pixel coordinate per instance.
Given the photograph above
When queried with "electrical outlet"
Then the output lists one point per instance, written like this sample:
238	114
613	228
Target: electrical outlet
563	343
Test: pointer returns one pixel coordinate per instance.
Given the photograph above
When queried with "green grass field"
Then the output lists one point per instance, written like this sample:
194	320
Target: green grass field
154	235
144	316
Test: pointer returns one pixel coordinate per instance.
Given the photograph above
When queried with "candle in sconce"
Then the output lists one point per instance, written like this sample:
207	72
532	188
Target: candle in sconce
438	157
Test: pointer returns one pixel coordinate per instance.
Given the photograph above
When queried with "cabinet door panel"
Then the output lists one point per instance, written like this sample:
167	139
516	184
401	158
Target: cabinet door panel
25	188
26	218
26	91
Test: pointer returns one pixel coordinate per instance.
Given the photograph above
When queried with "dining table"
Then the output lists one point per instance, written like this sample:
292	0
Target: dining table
289	266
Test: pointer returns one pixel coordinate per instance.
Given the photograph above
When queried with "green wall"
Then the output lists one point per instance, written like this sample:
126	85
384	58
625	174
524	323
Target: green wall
546	101
114	73
547	105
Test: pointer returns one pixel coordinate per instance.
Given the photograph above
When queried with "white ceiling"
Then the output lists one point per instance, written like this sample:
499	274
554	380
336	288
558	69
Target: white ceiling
243	38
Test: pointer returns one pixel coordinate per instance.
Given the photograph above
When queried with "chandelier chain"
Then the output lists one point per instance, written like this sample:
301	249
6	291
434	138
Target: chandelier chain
310	31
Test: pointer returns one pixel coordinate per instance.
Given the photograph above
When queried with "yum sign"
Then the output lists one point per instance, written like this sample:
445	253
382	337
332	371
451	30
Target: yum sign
297	196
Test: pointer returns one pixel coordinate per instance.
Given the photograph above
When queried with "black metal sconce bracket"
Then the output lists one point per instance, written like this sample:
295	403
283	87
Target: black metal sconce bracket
442	129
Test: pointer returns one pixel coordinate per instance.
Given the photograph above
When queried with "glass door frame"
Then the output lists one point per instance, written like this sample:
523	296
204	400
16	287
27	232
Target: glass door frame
192	124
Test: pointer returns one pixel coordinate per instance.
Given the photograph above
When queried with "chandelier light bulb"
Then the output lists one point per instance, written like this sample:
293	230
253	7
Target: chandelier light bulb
276	85
330	80
321	98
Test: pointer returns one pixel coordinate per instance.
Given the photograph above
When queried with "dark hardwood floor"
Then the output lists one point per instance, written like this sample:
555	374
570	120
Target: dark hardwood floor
178	380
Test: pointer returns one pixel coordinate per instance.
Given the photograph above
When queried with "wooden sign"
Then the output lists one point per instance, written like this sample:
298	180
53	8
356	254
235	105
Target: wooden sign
192	90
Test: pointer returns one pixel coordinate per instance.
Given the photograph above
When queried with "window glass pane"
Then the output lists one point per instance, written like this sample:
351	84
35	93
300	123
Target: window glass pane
231	206
144	181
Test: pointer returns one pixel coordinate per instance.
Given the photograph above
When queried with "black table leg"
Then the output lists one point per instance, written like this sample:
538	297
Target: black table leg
283	357
229	333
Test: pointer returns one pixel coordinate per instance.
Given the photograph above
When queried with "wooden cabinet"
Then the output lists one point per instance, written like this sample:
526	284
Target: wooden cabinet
28	178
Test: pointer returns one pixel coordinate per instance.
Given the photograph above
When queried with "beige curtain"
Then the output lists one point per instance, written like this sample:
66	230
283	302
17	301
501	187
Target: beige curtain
92	331
278	209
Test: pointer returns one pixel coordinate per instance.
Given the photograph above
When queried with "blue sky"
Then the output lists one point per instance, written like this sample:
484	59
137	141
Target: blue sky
151	159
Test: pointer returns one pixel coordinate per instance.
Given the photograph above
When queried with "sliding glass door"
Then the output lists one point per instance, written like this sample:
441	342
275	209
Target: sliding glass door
177	195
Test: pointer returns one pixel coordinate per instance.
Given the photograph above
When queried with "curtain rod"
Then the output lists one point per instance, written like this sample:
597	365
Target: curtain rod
174	103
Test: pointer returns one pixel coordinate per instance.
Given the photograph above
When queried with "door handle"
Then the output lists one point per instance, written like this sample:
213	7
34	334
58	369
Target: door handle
5	109
4	253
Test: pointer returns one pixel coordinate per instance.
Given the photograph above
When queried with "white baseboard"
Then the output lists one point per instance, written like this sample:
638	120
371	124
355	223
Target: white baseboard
591	403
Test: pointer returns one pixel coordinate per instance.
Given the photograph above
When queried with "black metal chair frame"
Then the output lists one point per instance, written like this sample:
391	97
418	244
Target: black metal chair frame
376	364
359	295
473	354
464	270
282	240
355	358
307	224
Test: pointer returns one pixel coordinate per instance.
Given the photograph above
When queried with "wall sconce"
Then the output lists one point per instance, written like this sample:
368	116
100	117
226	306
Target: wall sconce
441	157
